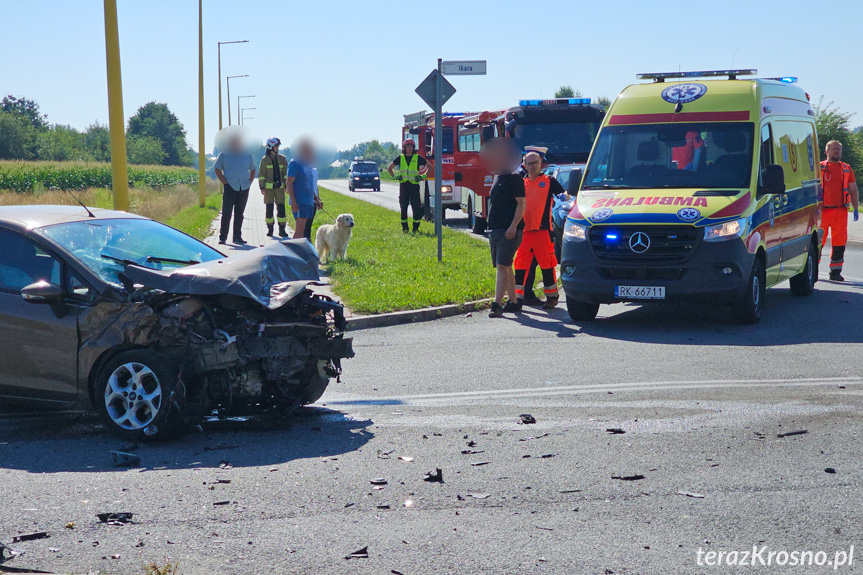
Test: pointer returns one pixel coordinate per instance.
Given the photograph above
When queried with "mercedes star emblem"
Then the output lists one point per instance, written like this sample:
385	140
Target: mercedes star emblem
639	242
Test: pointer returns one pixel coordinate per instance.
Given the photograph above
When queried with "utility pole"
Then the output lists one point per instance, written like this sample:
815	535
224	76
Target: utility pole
202	156
229	94
220	75
116	121
438	160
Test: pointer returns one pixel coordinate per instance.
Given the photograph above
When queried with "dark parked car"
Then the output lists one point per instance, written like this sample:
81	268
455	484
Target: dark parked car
364	174
151	327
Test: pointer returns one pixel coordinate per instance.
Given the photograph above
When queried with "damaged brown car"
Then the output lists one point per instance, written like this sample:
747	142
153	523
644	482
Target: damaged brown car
153	328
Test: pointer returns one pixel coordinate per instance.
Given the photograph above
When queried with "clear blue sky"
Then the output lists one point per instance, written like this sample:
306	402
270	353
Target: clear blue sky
345	72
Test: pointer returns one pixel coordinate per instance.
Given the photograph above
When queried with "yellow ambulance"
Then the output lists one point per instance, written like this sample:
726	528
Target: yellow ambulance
701	186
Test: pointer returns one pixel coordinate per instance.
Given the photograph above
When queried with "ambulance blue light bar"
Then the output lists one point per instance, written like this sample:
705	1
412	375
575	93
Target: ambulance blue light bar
732	74
570	101
786	79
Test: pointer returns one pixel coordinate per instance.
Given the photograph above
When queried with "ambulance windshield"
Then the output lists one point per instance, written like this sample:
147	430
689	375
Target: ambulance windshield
693	155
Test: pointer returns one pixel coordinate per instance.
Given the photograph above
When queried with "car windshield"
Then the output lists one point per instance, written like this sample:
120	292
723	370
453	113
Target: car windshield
106	246
684	155
563	140
366	169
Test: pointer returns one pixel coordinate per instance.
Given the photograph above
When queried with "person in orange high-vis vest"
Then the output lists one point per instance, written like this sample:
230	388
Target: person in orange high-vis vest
536	240
840	191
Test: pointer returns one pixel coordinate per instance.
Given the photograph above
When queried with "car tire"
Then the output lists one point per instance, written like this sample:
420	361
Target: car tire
378	188
580	311
350	188
479	226
157	413
803	284
750	307
314	390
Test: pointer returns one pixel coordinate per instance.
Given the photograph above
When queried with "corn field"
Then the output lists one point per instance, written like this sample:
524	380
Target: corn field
29	176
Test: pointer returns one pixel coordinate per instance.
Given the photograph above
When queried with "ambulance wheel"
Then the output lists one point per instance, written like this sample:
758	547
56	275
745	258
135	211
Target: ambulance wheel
581	311
749	308
803	284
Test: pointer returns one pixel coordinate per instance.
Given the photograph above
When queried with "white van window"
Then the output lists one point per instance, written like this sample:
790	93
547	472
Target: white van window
684	155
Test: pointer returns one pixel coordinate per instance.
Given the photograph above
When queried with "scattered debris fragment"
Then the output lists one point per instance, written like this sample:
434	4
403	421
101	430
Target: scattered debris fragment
383	506
830	470
115	518
471	443
471	451
125	459
405	458
115	556
225	464
435	476
378	481
70	525
479	495
632	477
220	447
527	418
615	430
478	463
385	454
30	536
359	554
394	572
544	528
570	491
548	455
790	433
532	438
217	503
139	544
690	494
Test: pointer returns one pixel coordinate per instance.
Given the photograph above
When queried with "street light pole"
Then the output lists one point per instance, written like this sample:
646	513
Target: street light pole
238	105
202	161
220	75
116	122
229	94
243	117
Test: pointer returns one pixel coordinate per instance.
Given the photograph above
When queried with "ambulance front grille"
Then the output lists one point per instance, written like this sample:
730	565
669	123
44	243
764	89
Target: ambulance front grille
668	244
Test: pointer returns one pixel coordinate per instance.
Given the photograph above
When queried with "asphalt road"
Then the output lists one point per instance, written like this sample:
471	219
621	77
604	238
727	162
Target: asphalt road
700	399
388	198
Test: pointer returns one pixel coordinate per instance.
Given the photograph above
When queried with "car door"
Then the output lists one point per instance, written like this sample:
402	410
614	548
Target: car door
38	342
772	225
796	142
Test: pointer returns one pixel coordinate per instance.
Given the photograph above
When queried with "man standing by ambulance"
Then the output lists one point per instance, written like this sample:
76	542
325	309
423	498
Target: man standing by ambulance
272	174
840	190
412	168
536	240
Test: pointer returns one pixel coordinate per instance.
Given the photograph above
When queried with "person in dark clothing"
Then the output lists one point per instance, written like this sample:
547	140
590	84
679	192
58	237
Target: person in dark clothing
411	171
506	204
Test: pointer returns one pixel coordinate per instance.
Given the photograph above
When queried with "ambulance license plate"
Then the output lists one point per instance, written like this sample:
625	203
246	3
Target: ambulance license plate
639	292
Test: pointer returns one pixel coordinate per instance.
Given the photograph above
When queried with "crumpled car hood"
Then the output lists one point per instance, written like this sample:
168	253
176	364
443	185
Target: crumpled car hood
272	275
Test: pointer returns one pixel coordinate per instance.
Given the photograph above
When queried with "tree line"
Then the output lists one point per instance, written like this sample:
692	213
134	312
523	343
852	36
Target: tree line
154	136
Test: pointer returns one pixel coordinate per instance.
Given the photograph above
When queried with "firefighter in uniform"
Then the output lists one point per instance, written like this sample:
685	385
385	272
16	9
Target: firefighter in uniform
840	190
539	189
271	177
412	169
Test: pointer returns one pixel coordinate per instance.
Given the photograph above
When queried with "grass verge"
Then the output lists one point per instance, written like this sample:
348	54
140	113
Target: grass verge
176	206
388	270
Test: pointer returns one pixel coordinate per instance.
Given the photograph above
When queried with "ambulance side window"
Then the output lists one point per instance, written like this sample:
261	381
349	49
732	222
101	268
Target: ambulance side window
766	151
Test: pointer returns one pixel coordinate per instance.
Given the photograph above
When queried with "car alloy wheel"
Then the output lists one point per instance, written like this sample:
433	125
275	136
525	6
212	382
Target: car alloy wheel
133	396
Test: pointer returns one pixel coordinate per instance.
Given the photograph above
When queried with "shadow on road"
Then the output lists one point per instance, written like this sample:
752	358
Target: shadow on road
77	442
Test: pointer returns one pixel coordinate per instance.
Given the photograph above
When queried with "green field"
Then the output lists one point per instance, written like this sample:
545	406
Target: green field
388	270
21	176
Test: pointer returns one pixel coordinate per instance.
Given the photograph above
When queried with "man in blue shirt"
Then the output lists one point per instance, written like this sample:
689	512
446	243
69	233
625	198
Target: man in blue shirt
302	189
236	170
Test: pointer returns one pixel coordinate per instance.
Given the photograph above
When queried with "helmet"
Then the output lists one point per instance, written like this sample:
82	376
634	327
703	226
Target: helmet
409	141
273	142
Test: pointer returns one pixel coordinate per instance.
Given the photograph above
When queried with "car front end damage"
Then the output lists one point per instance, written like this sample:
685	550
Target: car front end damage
242	335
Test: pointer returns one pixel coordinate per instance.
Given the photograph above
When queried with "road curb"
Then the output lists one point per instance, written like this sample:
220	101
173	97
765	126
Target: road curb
415	315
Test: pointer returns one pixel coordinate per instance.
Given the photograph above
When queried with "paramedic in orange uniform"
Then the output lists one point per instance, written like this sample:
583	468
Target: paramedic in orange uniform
536	241
840	190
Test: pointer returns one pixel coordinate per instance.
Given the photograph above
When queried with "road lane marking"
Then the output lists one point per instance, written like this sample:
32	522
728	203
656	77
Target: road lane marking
599	388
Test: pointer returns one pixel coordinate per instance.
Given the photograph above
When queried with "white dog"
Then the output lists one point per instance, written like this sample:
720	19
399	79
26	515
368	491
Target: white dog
333	238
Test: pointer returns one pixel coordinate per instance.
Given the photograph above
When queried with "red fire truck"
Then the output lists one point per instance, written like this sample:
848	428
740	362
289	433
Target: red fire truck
567	127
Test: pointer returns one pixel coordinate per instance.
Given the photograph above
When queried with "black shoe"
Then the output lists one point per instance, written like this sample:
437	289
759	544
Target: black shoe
551	302
836	276
223	242
240	241
496	310
531	299
269	231
283	232
512	307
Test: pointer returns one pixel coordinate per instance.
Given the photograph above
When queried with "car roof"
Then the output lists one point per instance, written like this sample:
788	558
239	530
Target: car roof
37	216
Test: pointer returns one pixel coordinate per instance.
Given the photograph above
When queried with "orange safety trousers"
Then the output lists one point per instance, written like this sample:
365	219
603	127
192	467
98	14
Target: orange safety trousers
538	244
835	222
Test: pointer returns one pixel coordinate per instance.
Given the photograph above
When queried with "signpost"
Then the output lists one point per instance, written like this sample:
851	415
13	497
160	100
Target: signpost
435	90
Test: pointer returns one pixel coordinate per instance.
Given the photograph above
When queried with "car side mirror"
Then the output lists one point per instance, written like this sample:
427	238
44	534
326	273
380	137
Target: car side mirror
575	177
773	180
42	292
